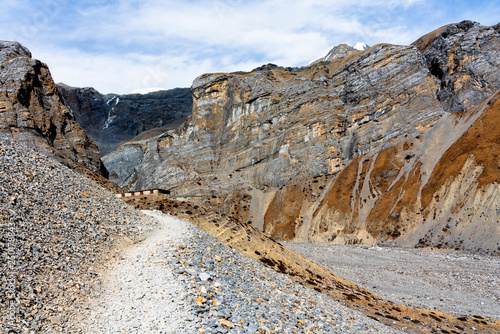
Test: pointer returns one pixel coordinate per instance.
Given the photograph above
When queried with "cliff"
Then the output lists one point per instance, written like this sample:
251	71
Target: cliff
351	150
111	120
32	113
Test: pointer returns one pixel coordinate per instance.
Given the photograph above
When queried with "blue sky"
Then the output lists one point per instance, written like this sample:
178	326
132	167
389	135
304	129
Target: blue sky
122	45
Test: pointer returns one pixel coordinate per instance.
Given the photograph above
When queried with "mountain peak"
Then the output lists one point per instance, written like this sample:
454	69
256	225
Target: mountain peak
361	46
340	51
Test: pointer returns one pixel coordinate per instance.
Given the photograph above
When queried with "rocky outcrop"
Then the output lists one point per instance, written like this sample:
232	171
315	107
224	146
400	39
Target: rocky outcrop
464	57
110	120
32	112
337	151
438	189
270	127
337	52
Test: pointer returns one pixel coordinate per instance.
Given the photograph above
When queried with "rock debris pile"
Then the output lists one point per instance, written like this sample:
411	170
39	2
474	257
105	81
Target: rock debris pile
182	280
56	227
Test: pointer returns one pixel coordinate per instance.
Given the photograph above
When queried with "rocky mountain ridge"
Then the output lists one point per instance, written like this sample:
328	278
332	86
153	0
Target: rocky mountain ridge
31	111
112	119
295	152
341	51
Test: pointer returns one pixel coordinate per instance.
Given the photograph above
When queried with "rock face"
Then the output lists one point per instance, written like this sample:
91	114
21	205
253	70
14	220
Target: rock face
32	112
348	150
110	120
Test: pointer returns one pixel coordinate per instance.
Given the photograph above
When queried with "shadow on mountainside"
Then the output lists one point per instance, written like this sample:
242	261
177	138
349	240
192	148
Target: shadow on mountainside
255	244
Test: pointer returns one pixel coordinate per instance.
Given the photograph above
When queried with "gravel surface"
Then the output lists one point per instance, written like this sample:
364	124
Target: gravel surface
456	282
56	227
74	258
182	280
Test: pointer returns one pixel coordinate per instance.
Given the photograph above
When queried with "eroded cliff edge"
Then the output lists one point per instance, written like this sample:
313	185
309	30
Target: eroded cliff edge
351	150
33	113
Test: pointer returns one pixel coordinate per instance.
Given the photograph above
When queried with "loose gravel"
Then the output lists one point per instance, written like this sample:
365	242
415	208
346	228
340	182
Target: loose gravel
60	233
74	258
182	280
56	228
456	282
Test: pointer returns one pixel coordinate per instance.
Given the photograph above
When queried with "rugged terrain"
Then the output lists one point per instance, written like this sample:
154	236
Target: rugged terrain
182	280
112	119
32	113
62	235
291	151
452	281
393	144
57	227
254	244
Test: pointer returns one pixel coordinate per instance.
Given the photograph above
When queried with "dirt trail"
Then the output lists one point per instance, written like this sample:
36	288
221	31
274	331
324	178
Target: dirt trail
139	292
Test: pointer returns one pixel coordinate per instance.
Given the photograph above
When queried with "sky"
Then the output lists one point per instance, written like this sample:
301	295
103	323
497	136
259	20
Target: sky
118	46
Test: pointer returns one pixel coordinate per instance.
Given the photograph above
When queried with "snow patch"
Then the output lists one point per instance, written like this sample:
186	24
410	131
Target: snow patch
111	118
361	46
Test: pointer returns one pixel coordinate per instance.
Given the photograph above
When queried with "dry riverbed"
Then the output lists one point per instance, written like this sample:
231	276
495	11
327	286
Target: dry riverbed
456	282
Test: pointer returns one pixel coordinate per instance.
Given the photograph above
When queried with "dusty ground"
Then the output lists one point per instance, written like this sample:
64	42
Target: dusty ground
456	282
253	243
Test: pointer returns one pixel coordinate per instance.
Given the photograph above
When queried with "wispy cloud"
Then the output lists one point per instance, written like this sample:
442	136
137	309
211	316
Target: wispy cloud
122	45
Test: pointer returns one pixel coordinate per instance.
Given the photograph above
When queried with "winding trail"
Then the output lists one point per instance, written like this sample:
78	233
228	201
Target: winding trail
140	293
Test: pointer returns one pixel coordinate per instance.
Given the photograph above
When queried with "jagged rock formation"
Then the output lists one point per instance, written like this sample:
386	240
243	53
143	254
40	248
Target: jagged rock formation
337	52
111	119
32	112
348	150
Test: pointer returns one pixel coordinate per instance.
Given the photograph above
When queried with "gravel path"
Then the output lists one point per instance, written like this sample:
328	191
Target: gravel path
455	282
139	293
182	280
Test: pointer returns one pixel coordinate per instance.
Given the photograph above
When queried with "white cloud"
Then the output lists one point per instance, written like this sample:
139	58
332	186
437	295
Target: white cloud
123	45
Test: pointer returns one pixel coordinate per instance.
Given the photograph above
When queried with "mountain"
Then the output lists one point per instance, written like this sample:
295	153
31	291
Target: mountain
337	52
351	150
112	119
33	113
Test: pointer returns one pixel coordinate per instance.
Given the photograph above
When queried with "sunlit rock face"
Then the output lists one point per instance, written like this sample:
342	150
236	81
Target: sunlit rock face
349	150
32	111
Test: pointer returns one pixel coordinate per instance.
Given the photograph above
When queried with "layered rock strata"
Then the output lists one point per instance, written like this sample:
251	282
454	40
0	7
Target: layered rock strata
342	150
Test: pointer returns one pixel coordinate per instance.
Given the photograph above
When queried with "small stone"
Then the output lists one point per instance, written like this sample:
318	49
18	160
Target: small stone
160	261
204	276
226	323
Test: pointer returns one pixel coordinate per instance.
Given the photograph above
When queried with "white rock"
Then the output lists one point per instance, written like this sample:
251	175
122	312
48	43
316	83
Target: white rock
204	276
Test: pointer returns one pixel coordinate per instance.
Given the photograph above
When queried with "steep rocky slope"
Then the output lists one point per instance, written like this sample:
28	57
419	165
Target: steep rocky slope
56	228
111	119
351	150
32	112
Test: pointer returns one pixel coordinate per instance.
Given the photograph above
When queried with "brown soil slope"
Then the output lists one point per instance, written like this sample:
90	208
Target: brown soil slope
440	189
482	142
